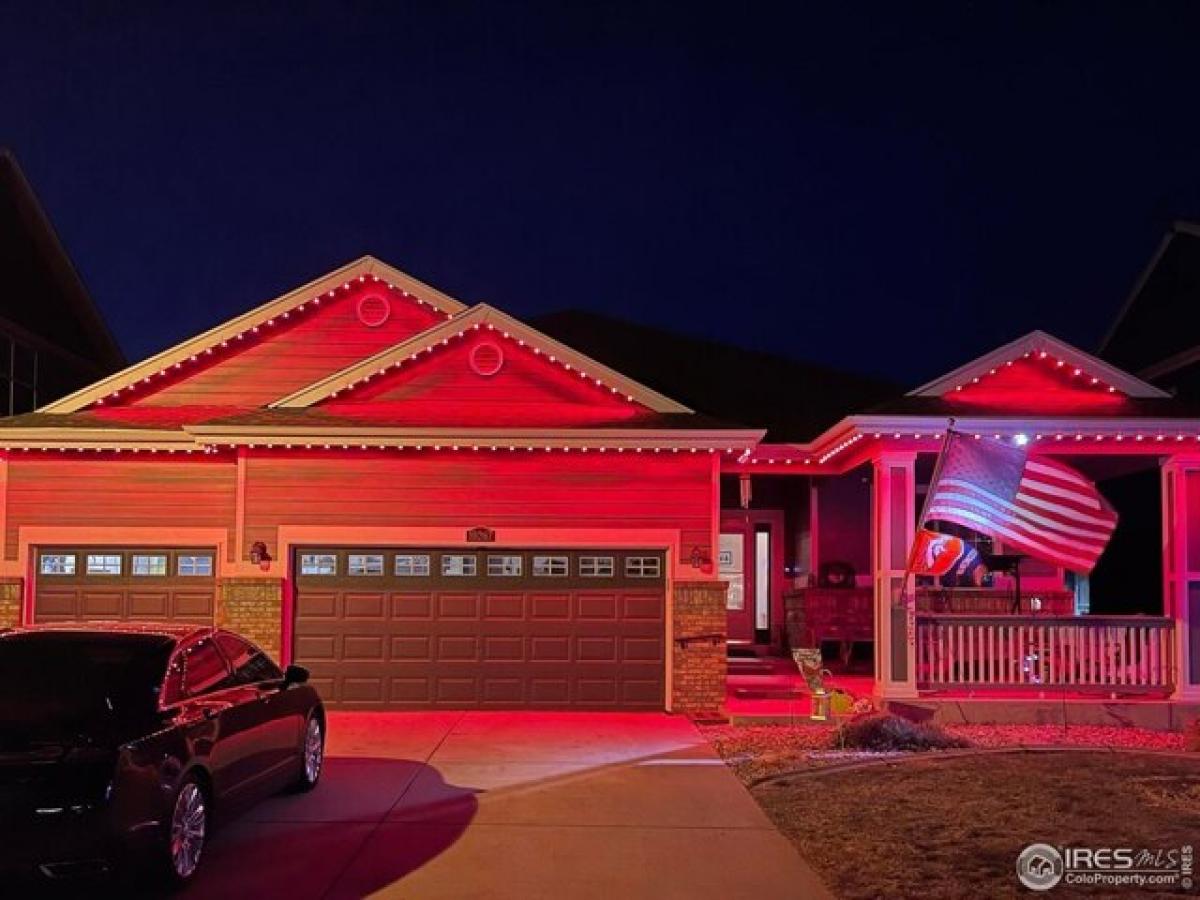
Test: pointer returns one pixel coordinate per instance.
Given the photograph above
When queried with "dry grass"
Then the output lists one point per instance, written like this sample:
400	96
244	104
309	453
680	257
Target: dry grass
952	827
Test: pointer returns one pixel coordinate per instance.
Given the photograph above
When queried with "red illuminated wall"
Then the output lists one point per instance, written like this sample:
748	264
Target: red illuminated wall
551	490
1033	385
111	492
443	388
289	355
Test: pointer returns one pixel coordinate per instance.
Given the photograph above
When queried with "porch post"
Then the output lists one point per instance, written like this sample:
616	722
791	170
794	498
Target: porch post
1181	568
893	514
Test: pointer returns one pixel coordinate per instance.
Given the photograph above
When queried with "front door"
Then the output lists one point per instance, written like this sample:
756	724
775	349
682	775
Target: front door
751	560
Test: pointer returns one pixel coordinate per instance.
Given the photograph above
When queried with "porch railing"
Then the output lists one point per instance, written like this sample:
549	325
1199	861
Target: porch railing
1112	654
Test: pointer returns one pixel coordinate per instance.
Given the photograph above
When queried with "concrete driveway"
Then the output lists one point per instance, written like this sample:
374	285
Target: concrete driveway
504	804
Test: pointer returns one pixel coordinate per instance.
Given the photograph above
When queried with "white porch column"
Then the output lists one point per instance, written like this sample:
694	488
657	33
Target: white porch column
893	515
1181	568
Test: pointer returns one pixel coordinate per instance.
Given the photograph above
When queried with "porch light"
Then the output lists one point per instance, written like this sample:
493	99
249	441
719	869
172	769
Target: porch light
1021	439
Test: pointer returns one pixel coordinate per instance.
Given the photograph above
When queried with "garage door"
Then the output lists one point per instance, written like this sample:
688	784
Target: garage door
455	628
153	584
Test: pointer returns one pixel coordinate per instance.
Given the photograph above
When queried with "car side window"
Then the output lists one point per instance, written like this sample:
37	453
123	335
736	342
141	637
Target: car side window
250	665
204	669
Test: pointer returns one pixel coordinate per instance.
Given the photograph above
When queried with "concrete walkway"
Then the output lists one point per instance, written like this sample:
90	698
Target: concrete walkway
510	805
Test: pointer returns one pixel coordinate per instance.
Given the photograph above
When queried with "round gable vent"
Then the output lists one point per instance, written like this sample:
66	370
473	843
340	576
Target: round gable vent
486	359
373	310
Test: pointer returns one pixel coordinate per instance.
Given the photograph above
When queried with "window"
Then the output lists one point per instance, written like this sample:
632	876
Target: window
250	665
104	564
196	565
458	565
552	566
643	566
596	566
318	564
504	566
204	670
412	564
148	564
57	564
365	564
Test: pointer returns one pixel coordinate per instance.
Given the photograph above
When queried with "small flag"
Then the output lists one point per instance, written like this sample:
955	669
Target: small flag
936	554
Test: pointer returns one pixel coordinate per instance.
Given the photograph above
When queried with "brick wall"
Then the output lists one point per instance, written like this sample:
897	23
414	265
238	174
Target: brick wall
253	607
10	602
698	669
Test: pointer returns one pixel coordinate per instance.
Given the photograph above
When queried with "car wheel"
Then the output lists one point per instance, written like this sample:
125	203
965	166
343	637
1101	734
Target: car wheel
187	831
312	755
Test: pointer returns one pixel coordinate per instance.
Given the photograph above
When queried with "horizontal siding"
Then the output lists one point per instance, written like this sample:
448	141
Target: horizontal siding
496	490
116	492
442	388
291	354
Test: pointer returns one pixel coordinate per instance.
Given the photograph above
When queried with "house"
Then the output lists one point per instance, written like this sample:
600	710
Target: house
53	340
436	505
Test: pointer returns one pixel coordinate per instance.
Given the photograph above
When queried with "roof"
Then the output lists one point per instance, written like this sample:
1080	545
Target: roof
365	267
794	401
43	294
1155	331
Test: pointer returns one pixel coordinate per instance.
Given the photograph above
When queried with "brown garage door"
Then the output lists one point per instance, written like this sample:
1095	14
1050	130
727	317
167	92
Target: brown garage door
408	628
152	584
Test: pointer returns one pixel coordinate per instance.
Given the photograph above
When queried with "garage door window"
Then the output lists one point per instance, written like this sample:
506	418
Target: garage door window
643	566
412	565
318	564
196	565
57	564
148	564
596	567
459	565
103	564
365	564
504	566
552	566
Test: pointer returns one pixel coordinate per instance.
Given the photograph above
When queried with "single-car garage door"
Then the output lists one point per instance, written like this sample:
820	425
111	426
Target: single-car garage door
153	584
455	628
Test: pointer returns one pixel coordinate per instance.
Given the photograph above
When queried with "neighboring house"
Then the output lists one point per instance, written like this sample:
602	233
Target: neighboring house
436	505
53	340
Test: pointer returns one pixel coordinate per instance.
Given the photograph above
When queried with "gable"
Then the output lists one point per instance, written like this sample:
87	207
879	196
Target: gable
543	365
482	380
308	333
1038	373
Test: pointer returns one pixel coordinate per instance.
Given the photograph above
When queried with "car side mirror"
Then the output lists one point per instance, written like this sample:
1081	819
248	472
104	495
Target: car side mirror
294	675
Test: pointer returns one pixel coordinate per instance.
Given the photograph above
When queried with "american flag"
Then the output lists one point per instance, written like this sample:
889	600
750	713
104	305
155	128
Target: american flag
1035	506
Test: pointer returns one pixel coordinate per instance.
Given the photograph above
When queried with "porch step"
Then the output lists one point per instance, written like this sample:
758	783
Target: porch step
740	665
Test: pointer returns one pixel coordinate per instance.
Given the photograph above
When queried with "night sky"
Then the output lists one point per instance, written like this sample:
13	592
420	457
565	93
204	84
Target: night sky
892	188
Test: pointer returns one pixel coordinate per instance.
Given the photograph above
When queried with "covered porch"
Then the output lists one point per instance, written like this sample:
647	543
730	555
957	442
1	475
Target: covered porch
816	540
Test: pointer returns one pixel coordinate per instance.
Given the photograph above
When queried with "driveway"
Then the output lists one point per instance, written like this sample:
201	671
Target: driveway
510	804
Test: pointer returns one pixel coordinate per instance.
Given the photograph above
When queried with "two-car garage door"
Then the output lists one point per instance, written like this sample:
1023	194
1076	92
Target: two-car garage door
461	627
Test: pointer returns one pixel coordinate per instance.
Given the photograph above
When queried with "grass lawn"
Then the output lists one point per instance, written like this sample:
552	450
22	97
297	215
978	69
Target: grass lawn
952	827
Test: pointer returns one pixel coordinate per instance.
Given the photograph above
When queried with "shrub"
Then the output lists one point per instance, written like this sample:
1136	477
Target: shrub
884	732
1191	736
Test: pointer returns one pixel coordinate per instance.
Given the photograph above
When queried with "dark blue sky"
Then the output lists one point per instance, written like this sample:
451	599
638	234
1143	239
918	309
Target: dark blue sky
889	187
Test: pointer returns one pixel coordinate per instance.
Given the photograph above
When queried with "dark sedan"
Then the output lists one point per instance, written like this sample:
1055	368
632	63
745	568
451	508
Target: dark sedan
118	741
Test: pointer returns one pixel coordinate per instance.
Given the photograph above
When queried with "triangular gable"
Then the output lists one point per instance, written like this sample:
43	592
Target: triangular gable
512	338
1037	369
200	371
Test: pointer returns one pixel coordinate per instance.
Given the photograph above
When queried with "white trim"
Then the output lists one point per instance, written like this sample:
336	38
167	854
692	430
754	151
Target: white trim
364	266
491	318
1127	384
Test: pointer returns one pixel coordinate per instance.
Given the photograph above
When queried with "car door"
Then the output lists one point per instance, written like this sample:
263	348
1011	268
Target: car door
219	713
277	719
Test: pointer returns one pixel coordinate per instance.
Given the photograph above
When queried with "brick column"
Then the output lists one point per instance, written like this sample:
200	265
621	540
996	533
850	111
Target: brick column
11	592
698	668
253	607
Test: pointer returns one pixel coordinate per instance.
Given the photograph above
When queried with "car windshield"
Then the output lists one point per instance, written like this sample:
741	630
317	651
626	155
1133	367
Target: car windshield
54	683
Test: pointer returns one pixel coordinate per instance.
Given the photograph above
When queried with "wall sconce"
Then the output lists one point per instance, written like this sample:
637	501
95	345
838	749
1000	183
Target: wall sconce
699	560
259	556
